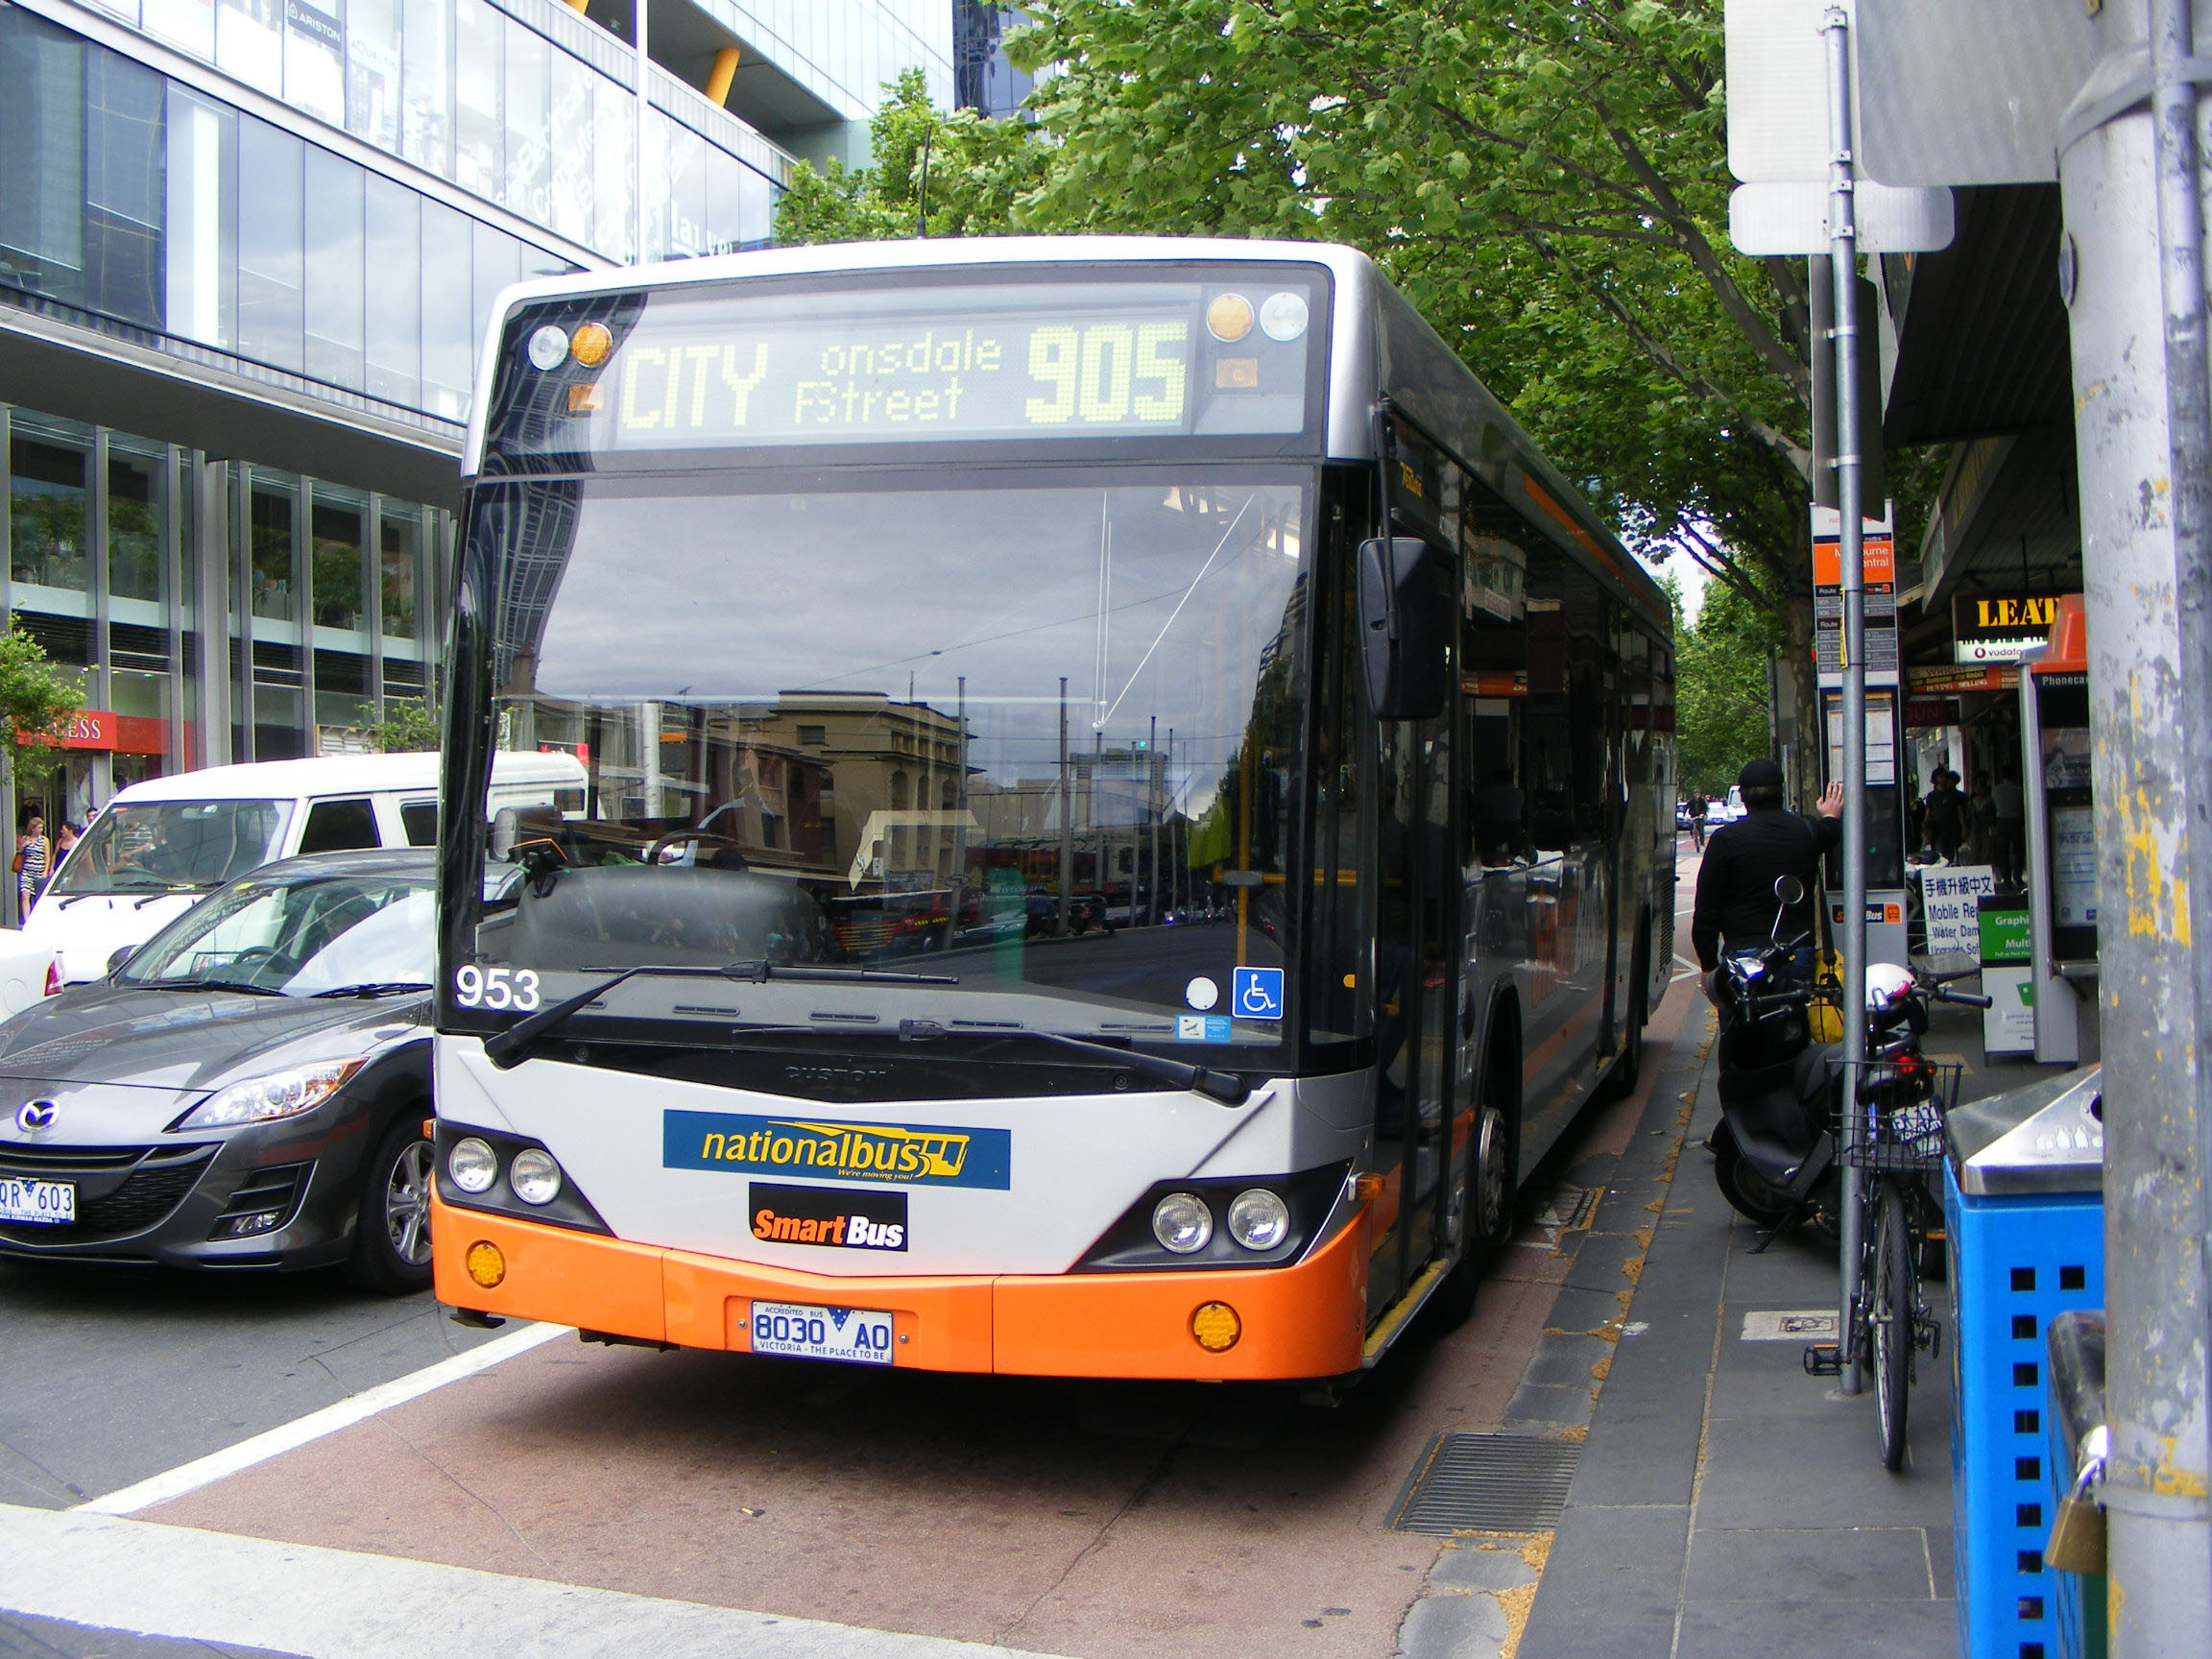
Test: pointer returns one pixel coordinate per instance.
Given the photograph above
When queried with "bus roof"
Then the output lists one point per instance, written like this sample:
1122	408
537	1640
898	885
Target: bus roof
1376	337
339	775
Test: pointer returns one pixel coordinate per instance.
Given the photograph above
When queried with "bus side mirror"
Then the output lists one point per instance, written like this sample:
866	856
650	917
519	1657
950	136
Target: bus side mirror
1402	628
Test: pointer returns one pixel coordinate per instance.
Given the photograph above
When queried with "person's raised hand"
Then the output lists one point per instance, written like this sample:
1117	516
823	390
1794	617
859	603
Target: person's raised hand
1831	805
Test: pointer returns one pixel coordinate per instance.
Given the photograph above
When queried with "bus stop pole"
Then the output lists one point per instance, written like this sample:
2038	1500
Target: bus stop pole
1843	264
2131	187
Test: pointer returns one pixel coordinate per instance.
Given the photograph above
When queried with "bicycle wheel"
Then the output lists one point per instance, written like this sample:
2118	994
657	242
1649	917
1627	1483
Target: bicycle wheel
1890	1301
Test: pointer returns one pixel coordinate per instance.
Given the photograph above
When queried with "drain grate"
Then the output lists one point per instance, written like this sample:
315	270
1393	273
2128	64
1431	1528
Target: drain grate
1488	1483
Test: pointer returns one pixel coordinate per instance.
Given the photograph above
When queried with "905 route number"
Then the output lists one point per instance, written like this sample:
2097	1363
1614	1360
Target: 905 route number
514	988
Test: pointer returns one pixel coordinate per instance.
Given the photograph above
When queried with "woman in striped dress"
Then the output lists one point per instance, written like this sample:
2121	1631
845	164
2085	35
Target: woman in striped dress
33	857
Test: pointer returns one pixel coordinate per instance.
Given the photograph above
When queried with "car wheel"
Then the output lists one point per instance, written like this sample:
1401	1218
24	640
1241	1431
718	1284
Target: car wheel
391	1233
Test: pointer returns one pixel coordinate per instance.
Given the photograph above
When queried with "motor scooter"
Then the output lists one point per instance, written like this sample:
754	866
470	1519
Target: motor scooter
1775	1154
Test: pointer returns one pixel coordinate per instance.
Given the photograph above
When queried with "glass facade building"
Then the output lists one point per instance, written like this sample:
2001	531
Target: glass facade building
246	252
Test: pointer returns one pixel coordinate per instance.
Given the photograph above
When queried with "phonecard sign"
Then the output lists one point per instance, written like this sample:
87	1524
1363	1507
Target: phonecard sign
1256	994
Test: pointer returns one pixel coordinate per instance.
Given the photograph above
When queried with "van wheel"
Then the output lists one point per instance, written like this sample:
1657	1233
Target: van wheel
392	1232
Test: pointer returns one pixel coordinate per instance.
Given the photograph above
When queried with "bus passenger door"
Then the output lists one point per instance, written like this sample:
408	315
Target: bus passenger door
1416	961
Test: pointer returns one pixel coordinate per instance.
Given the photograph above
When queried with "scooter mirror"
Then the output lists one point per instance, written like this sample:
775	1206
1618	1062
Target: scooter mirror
1788	890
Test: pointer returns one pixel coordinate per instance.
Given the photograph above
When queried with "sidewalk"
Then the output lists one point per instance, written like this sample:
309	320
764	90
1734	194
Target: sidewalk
1726	1504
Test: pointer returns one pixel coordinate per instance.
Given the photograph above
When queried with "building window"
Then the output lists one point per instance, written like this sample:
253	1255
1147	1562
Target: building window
134	531
813	737
47	523
340	594
271	534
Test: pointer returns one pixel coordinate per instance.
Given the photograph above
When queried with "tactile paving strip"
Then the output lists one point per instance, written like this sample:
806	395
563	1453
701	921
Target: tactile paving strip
1488	1483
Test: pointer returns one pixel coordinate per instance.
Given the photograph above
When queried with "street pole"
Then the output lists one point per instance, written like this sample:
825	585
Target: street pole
1067	816
1843	259
1153	810
2129	186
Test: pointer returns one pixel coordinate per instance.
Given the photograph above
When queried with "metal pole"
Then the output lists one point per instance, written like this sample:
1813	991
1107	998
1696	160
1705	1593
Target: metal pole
1152	811
1843	258
638	10
2129	189
1067	815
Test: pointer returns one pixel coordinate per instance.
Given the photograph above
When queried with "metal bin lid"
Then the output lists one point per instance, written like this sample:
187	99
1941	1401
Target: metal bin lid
2043	1136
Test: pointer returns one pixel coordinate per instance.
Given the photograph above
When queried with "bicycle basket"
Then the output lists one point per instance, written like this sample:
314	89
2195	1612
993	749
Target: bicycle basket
1901	1112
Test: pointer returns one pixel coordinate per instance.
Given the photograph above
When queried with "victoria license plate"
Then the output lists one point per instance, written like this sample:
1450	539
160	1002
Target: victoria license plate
855	1333
51	1202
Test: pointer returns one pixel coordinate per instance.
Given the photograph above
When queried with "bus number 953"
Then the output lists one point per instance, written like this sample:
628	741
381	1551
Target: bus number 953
516	988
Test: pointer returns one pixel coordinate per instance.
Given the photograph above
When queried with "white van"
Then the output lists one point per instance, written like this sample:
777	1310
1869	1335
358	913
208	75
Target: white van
161	847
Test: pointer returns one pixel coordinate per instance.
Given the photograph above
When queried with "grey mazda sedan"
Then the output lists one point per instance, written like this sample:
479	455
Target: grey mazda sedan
246	1090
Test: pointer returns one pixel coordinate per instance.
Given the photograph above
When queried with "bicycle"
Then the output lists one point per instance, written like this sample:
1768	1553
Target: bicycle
1901	1108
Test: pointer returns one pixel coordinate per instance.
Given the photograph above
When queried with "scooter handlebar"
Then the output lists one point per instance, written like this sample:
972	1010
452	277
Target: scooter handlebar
1944	994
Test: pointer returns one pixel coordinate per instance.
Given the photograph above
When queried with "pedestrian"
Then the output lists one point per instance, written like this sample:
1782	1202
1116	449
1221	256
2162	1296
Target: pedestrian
2006	799
33	857
1980	821
1943	814
1736	901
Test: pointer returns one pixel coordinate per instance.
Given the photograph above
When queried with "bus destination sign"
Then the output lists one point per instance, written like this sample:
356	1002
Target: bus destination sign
1120	360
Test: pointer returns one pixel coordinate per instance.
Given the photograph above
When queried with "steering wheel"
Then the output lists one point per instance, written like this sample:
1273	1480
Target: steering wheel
675	837
264	956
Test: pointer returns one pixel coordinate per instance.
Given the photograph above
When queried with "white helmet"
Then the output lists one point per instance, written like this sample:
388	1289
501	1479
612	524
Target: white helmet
1887	986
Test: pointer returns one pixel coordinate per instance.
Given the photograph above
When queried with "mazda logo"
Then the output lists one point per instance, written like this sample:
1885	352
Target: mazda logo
33	1116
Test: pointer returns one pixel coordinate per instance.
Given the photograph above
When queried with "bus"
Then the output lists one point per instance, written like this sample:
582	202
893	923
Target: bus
1127	807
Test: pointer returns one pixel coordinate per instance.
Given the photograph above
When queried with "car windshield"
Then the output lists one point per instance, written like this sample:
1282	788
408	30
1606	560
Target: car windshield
1041	739
157	846
302	937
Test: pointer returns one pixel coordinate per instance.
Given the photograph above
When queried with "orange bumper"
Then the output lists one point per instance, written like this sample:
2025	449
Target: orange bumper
1306	1320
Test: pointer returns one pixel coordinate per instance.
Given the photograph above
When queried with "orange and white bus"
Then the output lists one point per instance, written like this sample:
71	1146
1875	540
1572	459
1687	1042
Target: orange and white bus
1126	807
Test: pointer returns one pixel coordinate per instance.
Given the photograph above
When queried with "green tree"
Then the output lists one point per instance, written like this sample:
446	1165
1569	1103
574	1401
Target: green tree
973	168
1721	689
408	727
37	700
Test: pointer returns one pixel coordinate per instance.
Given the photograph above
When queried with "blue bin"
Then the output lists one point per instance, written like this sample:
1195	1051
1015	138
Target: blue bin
2023	1199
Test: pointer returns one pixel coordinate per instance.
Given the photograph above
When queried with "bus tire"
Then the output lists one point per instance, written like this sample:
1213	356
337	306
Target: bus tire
1629	1064
1486	1206
392	1230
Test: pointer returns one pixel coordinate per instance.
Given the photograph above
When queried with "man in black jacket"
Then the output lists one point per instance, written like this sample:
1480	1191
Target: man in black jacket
1736	901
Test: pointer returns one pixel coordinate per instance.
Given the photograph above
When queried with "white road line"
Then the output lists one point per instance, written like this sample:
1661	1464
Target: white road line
275	1442
214	1587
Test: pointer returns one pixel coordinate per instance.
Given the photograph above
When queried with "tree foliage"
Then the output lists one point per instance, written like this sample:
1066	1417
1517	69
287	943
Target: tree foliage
1721	690
408	728
37	700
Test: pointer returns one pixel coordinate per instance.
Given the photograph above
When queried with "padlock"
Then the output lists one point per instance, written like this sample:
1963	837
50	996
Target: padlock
2077	1543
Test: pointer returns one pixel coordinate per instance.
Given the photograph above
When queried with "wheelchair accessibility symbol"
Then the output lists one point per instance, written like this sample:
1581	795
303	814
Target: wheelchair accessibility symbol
1257	992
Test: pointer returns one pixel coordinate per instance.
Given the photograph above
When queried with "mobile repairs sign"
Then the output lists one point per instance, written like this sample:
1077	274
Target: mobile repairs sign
910	1154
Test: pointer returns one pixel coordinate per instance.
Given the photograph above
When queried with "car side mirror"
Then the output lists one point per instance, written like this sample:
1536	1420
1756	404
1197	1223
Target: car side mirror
1402	628
121	954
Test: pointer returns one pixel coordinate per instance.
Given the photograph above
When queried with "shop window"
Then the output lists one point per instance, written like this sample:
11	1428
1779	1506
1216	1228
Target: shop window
271	532
339	596
398	555
46	514
133	527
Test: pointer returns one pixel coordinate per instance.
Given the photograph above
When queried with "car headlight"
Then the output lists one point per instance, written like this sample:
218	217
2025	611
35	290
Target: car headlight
1258	1219
533	1177
473	1165
284	1094
1182	1222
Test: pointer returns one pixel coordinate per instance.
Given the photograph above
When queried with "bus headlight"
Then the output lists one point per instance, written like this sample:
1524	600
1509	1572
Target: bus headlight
473	1165
533	1177
1182	1222
1258	1219
548	347
1282	316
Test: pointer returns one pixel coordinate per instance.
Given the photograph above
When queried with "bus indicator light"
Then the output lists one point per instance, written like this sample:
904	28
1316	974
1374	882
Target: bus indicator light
548	347
1229	318
1216	1327
592	344
1283	316
487	1263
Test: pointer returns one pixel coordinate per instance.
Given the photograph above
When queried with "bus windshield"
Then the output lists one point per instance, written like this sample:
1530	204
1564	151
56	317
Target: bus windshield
1030	735
163	846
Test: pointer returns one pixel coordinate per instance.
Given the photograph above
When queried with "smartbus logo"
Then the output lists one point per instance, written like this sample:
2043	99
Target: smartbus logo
913	1154
827	1216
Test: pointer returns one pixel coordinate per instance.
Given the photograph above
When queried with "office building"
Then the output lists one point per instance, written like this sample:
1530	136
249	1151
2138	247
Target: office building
247	249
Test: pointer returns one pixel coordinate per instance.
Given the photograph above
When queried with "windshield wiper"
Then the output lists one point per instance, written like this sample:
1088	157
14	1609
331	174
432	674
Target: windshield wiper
510	1047
1226	1087
376	988
238	985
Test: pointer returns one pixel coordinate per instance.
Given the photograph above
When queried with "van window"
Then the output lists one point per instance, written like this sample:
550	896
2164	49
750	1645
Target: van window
419	819
173	846
339	827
